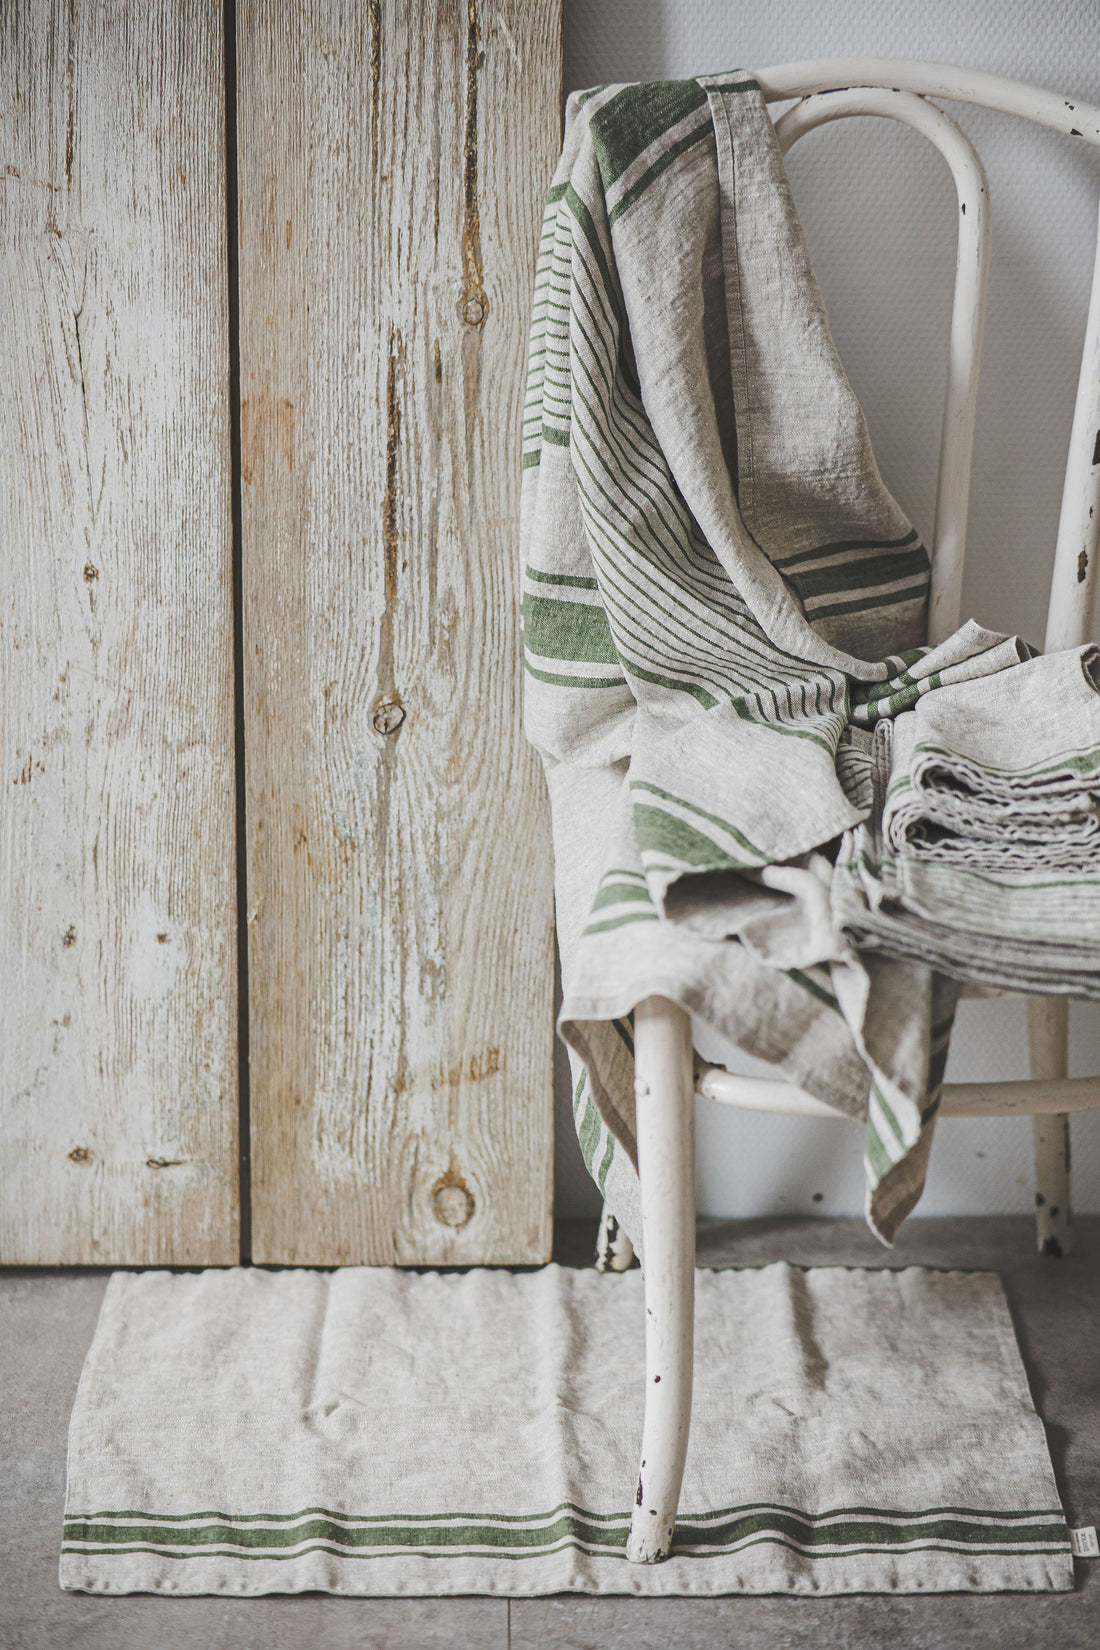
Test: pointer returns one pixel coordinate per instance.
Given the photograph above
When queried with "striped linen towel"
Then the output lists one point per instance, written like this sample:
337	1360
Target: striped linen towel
981	854
368	1431
720	602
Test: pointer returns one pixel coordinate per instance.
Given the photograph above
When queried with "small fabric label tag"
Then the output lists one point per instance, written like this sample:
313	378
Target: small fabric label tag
1084	1542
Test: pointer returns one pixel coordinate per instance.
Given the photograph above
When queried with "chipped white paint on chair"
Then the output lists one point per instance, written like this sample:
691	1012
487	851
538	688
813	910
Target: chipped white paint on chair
665	1128
665	1079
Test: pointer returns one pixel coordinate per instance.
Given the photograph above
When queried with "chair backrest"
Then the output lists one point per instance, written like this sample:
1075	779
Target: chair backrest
833	88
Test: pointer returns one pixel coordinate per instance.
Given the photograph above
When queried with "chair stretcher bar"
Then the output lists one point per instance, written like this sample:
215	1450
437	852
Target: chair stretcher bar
1027	1098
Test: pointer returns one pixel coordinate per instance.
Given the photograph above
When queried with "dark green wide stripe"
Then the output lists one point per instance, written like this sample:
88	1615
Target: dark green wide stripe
557	629
665	159
861	1531
636	117
662	833
865	573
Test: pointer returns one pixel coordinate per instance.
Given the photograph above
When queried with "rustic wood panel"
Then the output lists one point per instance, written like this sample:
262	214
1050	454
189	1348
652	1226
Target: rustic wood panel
118	1084
393	160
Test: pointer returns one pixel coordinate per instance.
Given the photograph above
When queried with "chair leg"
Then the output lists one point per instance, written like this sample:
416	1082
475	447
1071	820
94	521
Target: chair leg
614	1250
664	1090
1048	1036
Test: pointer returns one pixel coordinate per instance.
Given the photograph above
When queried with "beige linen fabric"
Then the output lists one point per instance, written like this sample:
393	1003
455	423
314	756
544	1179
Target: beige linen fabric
371	1431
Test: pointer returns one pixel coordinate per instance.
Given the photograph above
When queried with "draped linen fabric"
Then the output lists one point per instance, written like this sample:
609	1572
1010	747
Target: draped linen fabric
722	608
711	561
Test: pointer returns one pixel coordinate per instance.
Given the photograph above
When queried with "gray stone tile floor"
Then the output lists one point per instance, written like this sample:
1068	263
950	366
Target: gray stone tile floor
46	1324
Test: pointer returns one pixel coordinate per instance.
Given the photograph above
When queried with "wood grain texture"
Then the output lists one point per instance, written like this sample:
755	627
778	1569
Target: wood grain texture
118	1090
393	162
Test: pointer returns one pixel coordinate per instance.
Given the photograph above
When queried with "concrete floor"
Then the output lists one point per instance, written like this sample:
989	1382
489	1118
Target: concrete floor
46	1323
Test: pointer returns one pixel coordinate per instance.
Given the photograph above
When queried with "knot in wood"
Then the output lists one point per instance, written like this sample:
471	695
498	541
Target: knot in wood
388	715
475	307
452	1200
80	1154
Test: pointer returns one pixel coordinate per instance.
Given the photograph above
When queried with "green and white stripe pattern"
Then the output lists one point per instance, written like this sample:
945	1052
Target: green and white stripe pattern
842	1532
716	583
377	1431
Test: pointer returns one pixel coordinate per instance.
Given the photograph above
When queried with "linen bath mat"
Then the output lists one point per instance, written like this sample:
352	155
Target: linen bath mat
373	1431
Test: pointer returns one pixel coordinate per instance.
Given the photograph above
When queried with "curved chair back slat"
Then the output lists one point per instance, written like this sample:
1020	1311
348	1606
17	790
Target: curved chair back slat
832	87
904	74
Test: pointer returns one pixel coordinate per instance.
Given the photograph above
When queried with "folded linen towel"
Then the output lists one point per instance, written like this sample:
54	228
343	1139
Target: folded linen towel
711	563
1002	780
981	855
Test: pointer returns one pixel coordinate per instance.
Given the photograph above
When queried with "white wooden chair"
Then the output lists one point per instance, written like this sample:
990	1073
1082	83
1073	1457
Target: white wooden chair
667	1073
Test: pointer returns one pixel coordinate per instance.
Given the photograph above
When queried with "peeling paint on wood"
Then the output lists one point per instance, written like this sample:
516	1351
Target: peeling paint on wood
375	13
267	426
475	305
115	640
389	497
401	966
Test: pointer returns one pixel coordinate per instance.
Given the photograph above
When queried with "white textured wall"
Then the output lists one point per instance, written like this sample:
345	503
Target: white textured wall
878	209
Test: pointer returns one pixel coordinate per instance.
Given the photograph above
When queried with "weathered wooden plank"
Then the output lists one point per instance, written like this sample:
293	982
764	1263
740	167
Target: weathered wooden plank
393	160
118	1084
